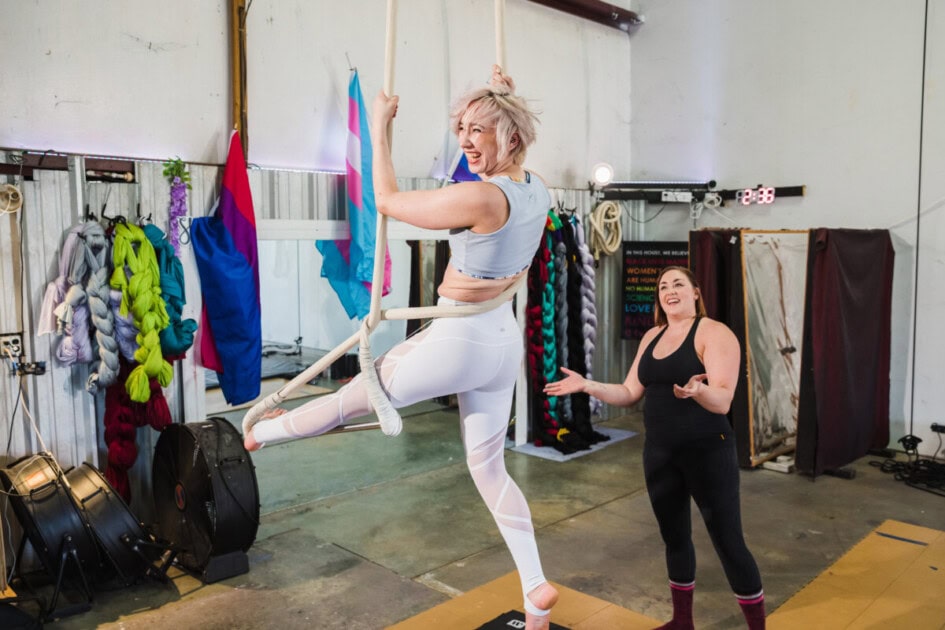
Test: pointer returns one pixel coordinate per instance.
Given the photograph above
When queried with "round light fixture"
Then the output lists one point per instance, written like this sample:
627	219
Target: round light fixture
602	174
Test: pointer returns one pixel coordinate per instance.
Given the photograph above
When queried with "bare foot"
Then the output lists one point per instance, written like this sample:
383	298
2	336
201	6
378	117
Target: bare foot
249	442
544	596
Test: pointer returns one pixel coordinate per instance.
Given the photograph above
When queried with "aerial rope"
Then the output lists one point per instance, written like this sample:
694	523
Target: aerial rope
389	419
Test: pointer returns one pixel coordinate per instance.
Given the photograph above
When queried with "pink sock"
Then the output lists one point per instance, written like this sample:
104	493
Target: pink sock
754	610
682	607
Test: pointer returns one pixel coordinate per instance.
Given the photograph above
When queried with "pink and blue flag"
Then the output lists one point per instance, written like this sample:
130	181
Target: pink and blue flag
225	248
349	264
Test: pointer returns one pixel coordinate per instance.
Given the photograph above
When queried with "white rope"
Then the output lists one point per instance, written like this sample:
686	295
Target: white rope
11	199
388	417
417	312
606	233
500	35
390	420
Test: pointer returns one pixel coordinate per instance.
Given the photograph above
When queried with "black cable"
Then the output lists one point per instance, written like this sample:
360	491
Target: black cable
918	217
663	207
916	472
16	405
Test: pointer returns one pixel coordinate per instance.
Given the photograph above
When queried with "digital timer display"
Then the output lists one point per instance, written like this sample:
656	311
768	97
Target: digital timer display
761	195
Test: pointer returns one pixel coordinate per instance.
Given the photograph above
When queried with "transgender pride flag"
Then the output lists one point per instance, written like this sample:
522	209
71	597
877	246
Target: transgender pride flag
349	264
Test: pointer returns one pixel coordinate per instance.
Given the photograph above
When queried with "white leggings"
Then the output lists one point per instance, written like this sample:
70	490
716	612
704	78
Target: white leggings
476	357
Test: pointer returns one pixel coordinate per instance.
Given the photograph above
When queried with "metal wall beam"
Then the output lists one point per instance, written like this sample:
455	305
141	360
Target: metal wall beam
597	11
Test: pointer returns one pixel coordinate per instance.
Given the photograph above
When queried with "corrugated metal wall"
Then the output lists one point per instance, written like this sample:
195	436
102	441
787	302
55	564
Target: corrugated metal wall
69	418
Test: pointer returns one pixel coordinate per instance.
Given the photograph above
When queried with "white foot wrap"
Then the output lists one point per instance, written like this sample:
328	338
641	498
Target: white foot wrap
535	610
391	423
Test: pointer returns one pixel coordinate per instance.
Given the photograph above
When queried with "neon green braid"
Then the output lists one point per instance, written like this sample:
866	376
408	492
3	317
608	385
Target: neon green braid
136	275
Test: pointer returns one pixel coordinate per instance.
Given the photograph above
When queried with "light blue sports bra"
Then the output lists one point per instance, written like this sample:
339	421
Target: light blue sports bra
510	249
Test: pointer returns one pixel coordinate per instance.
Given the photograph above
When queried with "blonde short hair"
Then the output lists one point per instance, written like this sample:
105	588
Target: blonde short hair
509	113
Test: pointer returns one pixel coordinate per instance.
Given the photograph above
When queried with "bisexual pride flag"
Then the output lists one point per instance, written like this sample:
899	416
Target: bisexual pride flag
225	249
461	172
349	264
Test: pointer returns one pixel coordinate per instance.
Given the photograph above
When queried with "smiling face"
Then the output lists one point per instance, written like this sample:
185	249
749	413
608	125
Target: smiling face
678	297
477	137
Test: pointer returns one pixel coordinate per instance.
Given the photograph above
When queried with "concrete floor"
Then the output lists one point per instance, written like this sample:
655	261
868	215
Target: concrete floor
362	531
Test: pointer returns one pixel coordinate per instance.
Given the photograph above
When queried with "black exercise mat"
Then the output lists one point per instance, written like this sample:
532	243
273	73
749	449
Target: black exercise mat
511	619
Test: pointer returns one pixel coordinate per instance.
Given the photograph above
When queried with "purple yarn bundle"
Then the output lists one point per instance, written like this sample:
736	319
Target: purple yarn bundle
177	209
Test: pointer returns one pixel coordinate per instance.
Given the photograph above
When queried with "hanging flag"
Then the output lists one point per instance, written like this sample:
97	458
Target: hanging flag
349	264
461	172
457	168
225	249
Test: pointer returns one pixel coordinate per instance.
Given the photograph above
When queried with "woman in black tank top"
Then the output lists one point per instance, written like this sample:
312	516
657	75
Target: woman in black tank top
668	419
687	366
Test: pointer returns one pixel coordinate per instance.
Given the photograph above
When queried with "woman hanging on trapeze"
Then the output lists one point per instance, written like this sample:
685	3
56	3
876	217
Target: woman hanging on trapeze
495	227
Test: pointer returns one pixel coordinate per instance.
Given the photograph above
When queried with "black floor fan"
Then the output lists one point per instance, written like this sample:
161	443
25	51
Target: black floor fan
206	497
123	541
53	524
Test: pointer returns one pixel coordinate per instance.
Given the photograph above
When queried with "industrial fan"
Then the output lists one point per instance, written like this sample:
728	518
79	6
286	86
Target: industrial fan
206	497
54	525
122	539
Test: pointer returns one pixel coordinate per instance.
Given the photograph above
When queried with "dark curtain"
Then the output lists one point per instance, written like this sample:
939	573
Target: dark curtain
441	258
844	393
715	257
416	280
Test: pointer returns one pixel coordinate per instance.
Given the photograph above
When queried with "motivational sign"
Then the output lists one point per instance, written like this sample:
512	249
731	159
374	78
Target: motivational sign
642	263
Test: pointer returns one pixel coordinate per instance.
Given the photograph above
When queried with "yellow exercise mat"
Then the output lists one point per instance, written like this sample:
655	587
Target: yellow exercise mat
893	578
574	610
216	403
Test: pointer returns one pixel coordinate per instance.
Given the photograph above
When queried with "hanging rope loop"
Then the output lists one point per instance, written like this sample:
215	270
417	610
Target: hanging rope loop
606	232
11	200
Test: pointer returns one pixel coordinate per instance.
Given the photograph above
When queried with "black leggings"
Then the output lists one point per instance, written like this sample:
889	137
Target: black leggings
707	471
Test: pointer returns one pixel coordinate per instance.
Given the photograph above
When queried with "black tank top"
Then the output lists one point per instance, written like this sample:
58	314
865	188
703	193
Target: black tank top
669	419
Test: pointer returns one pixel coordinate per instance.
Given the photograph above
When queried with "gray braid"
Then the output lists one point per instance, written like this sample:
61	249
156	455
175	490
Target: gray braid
73	312
588	306
103	320
561	315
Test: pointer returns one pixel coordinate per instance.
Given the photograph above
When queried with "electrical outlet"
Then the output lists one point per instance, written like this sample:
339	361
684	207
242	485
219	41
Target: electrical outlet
11	343
676	196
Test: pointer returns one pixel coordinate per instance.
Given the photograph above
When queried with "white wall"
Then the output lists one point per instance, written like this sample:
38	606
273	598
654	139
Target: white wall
297	302
822	94
144	79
